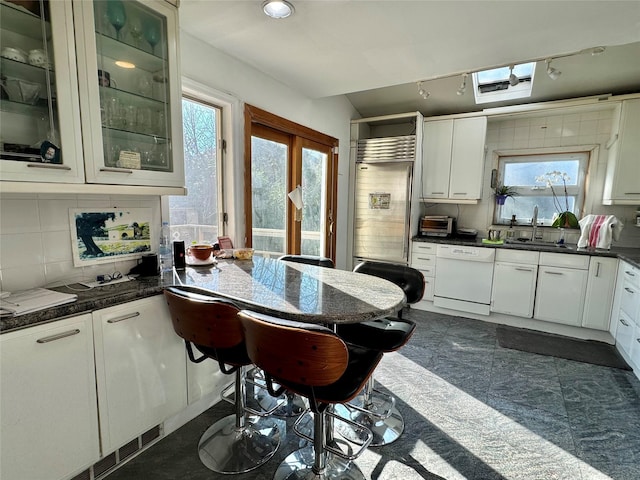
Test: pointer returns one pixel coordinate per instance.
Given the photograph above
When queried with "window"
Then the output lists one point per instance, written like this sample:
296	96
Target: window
197	217
496	85
538	180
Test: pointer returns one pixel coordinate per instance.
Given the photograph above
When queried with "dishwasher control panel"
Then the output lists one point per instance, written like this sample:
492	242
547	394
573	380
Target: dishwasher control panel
472	254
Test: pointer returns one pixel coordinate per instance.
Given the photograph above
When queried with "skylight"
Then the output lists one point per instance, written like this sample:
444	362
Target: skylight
494	85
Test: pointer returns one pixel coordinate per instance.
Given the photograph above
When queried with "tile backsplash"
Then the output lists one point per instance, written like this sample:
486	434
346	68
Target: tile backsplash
35	238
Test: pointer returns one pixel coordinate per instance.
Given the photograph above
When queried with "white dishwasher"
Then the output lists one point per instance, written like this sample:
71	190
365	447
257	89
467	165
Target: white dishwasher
463	278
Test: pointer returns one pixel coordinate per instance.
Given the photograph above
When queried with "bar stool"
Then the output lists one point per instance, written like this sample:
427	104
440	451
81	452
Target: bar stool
312	361
294	404
309	260
373	408
232	444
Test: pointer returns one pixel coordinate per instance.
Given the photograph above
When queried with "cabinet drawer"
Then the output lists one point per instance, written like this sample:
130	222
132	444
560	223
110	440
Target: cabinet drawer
564	260
517	256
425	263
631	274
625	332
424	248
630	300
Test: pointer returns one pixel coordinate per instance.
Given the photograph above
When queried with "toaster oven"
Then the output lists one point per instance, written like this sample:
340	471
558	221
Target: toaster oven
436	226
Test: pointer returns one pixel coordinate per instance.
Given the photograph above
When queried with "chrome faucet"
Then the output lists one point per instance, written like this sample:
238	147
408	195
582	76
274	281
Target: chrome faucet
534	224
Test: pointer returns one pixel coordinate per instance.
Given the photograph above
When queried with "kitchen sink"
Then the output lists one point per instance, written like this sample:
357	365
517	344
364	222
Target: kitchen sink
535	243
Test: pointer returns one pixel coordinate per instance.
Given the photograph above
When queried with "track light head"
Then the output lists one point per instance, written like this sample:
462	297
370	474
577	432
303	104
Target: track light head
513	79
422	92
463	85
552	72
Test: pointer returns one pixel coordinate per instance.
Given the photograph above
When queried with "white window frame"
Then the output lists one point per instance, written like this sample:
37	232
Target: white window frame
582	154
230	197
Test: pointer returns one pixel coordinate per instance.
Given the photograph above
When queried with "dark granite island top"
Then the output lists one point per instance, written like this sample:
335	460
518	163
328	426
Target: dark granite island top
296	291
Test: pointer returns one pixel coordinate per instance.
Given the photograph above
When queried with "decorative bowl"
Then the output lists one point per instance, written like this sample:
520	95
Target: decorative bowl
243	253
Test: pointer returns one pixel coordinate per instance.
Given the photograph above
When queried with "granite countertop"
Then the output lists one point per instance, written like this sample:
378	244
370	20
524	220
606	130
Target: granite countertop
630	255
300	292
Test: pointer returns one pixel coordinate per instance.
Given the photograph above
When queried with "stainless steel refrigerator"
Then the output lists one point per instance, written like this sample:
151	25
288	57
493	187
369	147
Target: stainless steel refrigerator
384	167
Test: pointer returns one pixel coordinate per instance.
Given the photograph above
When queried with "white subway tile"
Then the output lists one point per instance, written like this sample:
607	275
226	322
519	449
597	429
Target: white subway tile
521	132
20	249
57	246
570	129
588	127
24	277
54	214
19	216
62	273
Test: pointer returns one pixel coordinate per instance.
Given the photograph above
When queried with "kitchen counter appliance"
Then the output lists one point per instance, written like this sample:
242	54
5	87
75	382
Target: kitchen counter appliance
437	226
464	279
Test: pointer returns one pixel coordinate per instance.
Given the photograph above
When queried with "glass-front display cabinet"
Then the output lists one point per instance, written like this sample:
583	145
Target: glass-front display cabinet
40	137
130	91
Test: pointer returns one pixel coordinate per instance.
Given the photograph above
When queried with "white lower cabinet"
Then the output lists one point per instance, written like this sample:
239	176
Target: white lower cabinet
561	288
600	289
514	289
625	333
423	258
140	369
205	379
49	418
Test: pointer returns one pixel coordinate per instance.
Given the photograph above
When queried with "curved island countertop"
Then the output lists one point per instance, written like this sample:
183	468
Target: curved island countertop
296	291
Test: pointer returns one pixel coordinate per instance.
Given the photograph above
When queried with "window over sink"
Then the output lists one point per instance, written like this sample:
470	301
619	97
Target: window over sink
555	182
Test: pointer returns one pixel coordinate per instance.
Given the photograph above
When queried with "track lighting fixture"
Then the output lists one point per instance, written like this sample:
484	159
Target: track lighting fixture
513	79
552	72
422	92
463	85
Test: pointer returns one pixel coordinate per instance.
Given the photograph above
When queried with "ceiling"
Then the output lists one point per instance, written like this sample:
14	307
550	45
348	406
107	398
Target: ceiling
375	51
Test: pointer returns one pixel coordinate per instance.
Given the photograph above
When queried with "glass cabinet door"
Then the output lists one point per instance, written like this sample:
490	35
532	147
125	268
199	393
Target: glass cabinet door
131	85
39	107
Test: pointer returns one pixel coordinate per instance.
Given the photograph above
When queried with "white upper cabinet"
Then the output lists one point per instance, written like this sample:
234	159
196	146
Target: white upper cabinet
622	182
130	92
453	159
39	108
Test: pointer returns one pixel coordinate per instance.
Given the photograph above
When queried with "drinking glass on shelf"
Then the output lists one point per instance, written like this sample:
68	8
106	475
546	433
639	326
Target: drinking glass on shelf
152	33
144	120
131	116
117	15
135	30
145	87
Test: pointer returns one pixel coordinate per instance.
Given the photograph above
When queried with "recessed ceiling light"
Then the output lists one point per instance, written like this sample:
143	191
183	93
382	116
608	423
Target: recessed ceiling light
278	8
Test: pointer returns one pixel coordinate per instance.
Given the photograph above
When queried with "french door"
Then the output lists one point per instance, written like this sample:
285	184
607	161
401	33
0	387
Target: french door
292	174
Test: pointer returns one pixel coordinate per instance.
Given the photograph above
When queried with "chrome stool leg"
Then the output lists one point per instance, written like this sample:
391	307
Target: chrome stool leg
234	445
316	462
378	414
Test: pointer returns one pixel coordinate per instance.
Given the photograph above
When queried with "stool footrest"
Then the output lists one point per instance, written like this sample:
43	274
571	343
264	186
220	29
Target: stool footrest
364	434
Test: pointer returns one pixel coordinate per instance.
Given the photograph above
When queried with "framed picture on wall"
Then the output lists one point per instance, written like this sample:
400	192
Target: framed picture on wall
103	235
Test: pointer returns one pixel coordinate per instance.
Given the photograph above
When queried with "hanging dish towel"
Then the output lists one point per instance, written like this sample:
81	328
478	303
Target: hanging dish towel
597	231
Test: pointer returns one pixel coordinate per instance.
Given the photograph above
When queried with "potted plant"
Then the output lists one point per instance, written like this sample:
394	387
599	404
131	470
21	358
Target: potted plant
502	192
564	218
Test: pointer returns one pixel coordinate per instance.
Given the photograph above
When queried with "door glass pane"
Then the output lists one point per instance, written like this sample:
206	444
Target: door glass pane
314	178
268	194
131	42
28	112
195	217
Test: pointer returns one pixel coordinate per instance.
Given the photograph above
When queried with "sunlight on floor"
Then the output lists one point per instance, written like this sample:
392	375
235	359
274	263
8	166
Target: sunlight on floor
508	448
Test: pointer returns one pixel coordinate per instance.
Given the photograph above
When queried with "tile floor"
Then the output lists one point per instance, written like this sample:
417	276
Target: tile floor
473	410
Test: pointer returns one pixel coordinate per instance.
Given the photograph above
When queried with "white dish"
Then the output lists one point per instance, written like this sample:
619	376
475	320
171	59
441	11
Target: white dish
14	54
195	262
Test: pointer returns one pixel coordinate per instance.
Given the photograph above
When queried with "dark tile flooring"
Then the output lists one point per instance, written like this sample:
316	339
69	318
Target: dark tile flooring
473	410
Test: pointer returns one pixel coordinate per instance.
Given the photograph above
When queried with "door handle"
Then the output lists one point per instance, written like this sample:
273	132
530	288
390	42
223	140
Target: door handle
48	165
521	269
624	323
58	336
123	317
116	170
553	273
